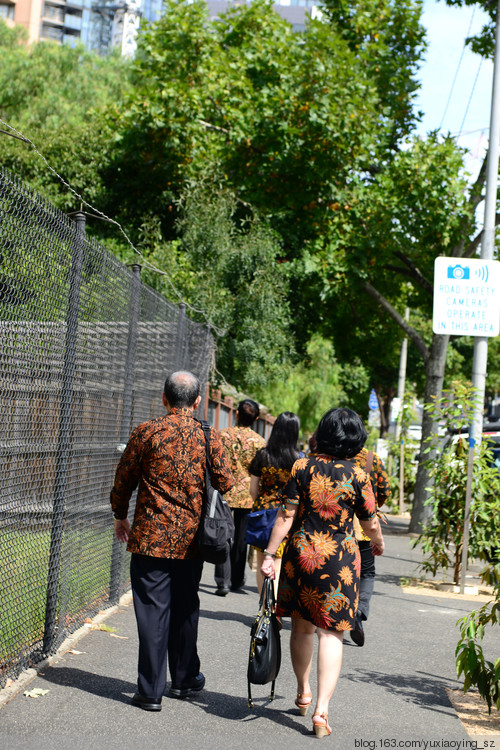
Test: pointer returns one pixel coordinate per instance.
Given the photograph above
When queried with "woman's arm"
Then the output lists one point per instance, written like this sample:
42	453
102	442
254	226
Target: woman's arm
374	533
282	526
254	486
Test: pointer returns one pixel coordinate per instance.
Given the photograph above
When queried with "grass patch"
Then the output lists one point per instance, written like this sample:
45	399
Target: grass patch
83	584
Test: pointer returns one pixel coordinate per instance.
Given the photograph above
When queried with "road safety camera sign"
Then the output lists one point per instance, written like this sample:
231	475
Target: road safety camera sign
466	297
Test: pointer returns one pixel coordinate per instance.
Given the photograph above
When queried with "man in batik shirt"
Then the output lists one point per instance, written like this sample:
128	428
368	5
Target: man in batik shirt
241	443
166	458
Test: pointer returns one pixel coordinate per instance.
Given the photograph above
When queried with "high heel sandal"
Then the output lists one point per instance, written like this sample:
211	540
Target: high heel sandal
303	701
321	726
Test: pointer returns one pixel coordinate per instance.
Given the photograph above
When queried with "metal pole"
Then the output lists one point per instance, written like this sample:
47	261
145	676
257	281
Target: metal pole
64	435
125	426
401	394
480	359
181	333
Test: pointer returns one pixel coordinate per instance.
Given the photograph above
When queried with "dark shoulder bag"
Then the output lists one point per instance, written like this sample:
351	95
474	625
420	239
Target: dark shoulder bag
264	659
216	530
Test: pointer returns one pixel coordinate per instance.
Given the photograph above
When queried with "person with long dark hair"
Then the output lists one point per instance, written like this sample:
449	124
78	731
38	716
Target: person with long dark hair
319	582
269	473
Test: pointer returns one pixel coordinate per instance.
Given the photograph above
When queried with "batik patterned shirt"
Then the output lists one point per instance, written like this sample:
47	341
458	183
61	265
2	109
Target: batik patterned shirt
166	459
241	444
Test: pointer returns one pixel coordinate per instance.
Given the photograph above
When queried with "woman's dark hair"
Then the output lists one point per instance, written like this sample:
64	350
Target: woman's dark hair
247	411
281	448
340	433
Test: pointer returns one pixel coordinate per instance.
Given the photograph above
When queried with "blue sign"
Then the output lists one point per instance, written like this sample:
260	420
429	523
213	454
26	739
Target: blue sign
373	400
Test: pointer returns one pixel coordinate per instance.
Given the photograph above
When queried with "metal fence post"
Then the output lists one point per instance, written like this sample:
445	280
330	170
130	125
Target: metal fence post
134	309
64	434
181	333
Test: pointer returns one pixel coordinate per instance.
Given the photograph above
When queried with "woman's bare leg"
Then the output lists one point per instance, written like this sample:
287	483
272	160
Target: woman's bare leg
329	663
301	650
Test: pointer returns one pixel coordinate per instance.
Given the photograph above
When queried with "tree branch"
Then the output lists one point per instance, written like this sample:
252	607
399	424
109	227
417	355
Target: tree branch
416	272
402	323
213	127
474	244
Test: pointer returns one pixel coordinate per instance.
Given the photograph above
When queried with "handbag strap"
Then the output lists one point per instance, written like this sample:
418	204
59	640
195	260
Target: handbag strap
206	430
268	599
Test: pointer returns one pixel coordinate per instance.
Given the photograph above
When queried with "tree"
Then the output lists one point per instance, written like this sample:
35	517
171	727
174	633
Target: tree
314	385
283	118
416	208
54	94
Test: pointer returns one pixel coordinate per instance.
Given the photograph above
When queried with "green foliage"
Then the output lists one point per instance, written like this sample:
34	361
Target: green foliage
441	540
389	38
55	94
484	42
470	659
228	267
285	118
309	388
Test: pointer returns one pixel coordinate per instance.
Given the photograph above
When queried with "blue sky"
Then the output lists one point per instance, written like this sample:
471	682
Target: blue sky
447	29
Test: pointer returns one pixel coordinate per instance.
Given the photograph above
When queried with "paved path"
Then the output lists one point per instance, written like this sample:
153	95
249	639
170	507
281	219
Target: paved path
392	692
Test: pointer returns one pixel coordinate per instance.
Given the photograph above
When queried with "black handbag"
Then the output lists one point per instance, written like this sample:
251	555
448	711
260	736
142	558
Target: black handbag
259	526
264	659
216	529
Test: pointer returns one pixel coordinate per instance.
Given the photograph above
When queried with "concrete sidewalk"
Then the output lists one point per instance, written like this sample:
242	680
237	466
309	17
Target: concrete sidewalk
391	693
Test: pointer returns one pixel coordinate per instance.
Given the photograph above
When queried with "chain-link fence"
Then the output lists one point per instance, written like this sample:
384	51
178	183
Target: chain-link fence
84	348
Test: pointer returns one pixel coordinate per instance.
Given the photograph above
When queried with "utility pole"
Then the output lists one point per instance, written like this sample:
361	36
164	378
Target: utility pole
480	358
401	395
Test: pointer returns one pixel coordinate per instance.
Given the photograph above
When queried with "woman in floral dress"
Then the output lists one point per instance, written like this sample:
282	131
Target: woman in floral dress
319	582
269	472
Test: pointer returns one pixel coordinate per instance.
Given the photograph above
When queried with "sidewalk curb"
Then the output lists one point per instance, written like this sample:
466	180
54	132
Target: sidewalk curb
28	675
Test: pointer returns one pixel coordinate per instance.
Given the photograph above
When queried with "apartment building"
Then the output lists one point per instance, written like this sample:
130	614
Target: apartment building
102	25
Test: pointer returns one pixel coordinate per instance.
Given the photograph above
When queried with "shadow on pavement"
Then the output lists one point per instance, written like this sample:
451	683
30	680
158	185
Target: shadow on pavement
103	686
418	688
235	708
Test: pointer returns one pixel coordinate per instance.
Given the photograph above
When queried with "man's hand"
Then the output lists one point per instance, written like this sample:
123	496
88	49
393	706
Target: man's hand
122	529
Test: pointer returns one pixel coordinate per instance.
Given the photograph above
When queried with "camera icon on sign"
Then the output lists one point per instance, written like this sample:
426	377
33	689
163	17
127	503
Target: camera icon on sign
458	272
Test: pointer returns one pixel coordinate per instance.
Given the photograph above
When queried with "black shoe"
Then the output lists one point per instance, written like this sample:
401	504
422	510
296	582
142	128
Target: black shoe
238	586
221	591
148	704
357	634
192	686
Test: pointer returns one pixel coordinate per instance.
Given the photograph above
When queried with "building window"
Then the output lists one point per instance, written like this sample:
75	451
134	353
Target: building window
6	11
53	13
51	32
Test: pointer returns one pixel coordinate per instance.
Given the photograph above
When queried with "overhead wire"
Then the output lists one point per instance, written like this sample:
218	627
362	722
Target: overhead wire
457	69
470	97
100	214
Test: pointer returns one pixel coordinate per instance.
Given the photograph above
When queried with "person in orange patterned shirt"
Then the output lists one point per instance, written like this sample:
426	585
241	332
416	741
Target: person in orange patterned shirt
241	443
166	459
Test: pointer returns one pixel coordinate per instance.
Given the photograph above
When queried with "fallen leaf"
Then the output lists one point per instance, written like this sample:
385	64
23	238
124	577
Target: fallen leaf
124	637
106	628
35	693
74	651
9	682
88	621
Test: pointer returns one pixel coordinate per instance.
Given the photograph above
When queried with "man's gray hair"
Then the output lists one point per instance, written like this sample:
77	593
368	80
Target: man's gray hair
181	388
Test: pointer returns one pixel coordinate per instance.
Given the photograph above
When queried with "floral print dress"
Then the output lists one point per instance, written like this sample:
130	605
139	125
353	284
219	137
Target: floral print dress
319	579
272	481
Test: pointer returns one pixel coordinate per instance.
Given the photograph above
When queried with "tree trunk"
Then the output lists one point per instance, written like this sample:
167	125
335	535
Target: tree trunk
434	371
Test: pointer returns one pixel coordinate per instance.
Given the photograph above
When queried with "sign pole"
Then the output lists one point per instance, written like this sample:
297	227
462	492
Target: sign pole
480	359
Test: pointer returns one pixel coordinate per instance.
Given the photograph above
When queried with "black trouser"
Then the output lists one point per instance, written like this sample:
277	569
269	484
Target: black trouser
367	579
231	574
167	608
